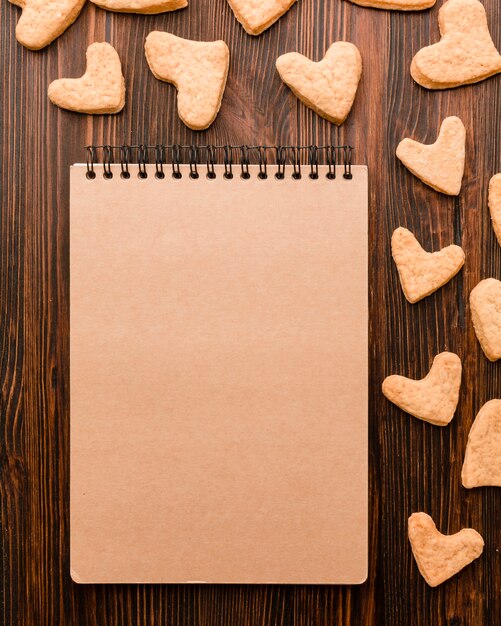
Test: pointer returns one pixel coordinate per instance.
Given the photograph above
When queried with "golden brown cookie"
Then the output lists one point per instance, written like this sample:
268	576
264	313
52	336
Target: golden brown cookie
485	306
141	6
421	273
100	90
441	164
329	86
42	21
438	556
197	68
465	54
433	398
495	204
482	460
396	5
258	15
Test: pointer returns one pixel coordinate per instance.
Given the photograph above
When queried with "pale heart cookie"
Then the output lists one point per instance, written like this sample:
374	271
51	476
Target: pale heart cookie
465	54
482	460
397	5
44	20
495	204
197	68
433	398
141	6
329	86
485	305
258	15
438	556
100	90
421	273
441	164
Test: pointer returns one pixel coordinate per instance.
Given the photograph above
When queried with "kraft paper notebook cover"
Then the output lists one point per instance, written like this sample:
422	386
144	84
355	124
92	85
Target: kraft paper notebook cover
218	374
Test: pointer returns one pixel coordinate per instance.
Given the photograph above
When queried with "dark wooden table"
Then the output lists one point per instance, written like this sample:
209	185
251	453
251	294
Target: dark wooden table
413	466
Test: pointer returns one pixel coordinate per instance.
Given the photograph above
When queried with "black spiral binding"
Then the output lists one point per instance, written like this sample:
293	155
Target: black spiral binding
193	156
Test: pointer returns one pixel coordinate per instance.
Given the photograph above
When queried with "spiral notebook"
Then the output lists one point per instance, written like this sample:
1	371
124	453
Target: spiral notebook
219	360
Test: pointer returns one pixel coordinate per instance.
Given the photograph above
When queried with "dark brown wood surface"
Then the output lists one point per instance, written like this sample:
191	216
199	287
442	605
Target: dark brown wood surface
413	466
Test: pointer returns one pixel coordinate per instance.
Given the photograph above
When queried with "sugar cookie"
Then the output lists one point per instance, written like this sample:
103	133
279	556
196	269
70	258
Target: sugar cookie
141	6
258	15
43	20
396	5
441	164
439	556
421	273
433	398
495	204
197	68
465	54
482	460
329	86
485	305
100	90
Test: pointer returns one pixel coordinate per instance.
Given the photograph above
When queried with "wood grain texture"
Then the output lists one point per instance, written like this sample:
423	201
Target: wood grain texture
413	466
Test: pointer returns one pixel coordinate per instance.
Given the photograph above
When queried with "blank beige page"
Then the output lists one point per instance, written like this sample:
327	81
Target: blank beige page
218	379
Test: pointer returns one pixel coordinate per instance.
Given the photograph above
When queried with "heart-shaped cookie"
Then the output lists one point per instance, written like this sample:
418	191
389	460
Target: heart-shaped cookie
465	54
396	5
433	398
197	68
495	204
438	556
44	20
329	86
441	164
482	459
421	272
100	90
148	7
485	305
258	15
